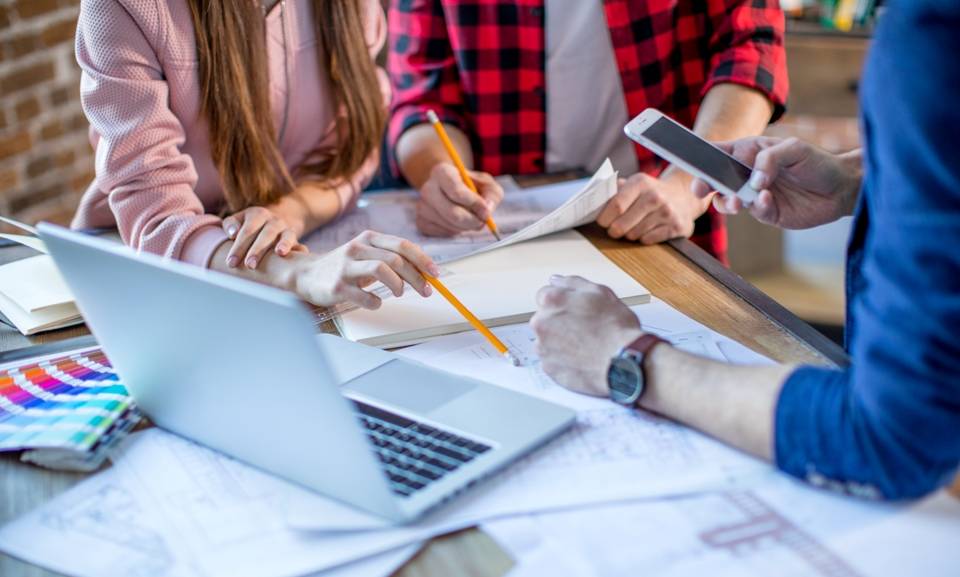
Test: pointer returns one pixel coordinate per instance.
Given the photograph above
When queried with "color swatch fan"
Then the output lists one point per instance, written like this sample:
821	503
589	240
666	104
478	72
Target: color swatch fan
66	410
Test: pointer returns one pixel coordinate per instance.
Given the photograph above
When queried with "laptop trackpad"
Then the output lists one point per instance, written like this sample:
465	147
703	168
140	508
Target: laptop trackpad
409	386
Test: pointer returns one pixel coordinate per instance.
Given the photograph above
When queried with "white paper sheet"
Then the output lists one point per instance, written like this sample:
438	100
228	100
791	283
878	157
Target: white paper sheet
524	214
171	508
778	527
499	287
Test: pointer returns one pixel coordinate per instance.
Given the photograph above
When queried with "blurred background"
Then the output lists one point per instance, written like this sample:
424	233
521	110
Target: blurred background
46	161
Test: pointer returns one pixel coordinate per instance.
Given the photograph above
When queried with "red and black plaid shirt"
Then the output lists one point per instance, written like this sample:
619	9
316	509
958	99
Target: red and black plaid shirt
481	65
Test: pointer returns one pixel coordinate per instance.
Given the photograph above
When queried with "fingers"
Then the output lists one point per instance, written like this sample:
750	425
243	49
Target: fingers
231	224
359	272
490	190
769	161
700	188
430	223
572	282
727	204
253	221
401	266
407	250
764	208
346	291
288	243
458	206
268	236
621	202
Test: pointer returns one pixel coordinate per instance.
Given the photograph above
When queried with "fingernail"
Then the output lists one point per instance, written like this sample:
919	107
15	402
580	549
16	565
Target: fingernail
758	180
252	262
232	231
427	290
233	261
434	270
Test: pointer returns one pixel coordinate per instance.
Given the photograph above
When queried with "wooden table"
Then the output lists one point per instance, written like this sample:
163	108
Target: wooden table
678	272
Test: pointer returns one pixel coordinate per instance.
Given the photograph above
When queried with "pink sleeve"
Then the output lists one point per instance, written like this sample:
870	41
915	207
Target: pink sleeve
149	182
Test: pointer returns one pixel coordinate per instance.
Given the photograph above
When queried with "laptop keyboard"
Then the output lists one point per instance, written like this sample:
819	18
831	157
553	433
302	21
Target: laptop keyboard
413	454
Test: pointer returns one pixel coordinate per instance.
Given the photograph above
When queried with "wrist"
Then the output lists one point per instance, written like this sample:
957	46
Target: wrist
293	210
851	164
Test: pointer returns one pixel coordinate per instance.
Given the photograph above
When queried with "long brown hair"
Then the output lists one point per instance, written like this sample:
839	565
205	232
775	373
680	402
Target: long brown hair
234	89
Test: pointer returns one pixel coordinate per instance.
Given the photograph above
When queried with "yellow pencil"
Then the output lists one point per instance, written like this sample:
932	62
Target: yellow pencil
442	133
472	319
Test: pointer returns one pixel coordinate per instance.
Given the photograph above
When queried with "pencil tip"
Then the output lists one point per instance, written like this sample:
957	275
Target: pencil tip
497	235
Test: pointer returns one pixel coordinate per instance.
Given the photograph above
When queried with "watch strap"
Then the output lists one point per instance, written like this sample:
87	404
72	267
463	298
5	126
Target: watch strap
644	344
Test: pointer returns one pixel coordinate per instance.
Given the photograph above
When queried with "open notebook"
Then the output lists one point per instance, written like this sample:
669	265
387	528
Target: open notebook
499	286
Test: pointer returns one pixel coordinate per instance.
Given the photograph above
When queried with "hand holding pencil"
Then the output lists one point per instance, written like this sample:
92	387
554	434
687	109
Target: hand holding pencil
455	199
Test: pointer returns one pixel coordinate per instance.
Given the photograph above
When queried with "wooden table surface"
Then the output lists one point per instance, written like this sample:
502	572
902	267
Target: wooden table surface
676	272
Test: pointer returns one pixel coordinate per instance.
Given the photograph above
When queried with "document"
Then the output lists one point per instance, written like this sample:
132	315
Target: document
524	214
499	287
469	354
171	508
776	527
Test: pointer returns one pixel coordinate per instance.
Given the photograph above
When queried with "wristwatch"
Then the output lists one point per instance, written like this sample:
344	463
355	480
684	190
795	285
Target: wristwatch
626	376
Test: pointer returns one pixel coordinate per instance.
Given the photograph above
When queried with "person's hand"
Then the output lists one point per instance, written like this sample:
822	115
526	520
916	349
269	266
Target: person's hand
580	326
651	210
340	275
255	231
448	207
799	184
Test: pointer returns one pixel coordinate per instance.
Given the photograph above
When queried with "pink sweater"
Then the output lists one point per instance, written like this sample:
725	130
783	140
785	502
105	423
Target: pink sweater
156	181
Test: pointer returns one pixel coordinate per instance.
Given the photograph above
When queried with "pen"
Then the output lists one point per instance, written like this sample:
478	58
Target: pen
473	320
442	133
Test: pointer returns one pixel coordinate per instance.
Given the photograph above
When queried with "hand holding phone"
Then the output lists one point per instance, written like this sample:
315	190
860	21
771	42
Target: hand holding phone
677	144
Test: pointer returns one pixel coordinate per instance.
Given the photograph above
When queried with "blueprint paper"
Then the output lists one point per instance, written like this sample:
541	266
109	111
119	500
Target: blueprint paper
778	527
170	508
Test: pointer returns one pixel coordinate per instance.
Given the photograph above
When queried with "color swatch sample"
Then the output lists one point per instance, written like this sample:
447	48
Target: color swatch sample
67	402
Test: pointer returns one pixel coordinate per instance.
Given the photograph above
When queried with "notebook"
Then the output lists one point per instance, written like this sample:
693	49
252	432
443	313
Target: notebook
499	287
33	296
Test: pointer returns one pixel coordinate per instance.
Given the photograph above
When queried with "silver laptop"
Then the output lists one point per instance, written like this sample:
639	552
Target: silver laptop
239	367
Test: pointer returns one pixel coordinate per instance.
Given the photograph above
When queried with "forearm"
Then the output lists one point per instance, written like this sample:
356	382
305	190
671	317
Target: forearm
274	270
728	112
419	150
734	404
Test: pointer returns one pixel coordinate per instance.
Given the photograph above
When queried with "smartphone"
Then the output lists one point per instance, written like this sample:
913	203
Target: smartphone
677	144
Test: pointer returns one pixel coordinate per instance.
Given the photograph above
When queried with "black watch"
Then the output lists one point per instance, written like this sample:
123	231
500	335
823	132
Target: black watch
626	377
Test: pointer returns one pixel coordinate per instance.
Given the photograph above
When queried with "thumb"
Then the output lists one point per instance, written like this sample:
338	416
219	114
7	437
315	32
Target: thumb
769	162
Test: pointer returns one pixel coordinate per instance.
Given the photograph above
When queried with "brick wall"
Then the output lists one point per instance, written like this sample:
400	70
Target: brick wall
45	158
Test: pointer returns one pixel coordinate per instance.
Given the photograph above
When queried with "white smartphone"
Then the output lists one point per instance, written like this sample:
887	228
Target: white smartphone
675	143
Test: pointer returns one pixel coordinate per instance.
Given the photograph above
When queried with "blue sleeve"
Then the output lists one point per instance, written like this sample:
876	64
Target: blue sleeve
890	424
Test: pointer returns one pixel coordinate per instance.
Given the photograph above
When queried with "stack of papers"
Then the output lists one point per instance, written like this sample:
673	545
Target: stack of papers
33	295
67	411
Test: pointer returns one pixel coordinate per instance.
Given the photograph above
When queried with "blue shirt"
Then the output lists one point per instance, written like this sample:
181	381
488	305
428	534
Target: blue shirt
889	425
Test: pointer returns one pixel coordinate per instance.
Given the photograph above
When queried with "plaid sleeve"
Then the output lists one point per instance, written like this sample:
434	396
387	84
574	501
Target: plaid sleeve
423	71
747	48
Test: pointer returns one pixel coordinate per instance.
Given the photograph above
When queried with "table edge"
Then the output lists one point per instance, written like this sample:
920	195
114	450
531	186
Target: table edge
774	311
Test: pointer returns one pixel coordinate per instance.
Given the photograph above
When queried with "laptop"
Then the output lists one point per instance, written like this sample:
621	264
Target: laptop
239	367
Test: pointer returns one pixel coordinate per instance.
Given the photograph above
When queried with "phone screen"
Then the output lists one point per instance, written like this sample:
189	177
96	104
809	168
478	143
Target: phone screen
725	169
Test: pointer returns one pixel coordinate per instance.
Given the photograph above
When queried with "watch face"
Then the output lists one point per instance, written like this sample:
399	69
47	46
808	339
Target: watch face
625	381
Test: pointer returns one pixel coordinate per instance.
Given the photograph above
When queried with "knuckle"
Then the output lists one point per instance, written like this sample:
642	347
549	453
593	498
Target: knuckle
367	236
395	262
